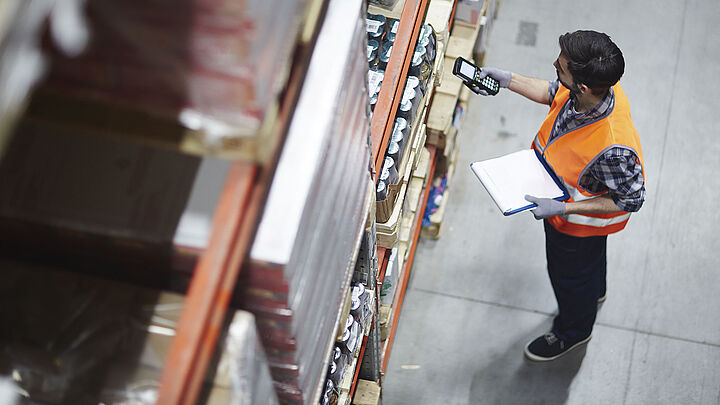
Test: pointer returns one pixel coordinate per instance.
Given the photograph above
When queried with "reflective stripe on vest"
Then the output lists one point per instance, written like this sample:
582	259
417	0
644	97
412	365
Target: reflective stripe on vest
596	222
574	192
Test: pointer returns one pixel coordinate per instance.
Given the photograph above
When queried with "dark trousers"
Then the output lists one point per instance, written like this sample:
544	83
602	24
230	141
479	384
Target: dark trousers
577	269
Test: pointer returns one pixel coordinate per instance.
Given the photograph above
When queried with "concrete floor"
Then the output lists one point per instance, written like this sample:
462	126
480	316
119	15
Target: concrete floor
480	292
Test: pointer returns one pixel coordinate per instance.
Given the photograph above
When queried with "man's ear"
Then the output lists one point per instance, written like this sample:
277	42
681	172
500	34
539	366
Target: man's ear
583	88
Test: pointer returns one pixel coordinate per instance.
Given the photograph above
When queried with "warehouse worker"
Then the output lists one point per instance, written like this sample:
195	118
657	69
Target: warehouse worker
589	140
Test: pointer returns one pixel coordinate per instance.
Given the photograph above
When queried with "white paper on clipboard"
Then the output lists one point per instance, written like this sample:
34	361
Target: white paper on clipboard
508	179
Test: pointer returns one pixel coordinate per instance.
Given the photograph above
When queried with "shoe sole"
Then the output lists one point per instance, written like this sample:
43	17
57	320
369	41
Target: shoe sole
602	299
535	357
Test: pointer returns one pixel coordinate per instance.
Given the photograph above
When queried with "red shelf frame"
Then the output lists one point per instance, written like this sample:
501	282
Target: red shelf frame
357	367
211	287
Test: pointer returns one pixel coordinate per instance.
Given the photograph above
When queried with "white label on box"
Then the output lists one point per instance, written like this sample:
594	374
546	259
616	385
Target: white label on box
408	94
394	27
372	25
374	82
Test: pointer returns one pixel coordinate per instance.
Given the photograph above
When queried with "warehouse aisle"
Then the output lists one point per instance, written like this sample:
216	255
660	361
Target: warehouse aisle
480	293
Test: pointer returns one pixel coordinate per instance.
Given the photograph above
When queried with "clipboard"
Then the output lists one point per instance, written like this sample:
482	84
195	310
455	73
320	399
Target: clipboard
510	177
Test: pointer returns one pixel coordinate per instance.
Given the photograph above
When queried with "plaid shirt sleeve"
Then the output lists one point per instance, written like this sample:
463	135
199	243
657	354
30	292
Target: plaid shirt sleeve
619	172
552	90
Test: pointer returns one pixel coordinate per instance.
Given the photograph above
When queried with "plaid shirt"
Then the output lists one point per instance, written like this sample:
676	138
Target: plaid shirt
617	170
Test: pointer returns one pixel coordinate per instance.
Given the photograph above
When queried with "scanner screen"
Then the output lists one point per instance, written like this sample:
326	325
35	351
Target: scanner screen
467	70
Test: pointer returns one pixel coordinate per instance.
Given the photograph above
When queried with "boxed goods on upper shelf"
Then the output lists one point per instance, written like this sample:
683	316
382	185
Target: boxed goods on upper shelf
214	69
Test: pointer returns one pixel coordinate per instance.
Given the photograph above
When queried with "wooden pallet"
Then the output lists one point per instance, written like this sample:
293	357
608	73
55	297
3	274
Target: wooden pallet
392	231
412	206
440	117
387	232
368	393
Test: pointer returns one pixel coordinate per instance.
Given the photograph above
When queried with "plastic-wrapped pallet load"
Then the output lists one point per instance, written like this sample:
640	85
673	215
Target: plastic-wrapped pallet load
74	339
211	68
302	257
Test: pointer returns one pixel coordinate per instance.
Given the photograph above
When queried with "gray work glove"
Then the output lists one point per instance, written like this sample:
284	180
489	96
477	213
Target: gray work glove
502	76
546	207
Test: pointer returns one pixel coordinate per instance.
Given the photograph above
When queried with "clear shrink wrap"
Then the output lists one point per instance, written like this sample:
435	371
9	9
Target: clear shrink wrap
79	340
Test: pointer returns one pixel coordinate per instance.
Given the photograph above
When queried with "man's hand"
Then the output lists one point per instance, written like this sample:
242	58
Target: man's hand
546	207
502	76
475	89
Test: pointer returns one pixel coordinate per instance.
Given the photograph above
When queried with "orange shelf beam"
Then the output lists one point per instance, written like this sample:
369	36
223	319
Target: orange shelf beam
359	362
210	289
395	76
452	15
383	257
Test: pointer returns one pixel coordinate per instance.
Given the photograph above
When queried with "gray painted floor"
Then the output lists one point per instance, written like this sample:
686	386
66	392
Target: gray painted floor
480	292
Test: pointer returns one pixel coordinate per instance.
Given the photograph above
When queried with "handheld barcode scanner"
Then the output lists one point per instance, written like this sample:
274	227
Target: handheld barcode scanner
470	73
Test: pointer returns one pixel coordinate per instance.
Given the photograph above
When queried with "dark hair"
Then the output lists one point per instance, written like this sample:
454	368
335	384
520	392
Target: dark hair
593	59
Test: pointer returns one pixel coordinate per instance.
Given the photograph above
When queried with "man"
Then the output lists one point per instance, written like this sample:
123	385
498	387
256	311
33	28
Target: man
589	140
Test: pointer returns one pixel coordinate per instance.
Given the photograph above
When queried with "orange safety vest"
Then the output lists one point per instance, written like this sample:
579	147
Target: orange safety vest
571	155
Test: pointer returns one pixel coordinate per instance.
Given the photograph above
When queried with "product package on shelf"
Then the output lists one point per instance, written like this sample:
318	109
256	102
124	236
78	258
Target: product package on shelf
366	266
199	75
392	276
470	11
480	14
74	339
303	256
434	215
371	365
344	356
